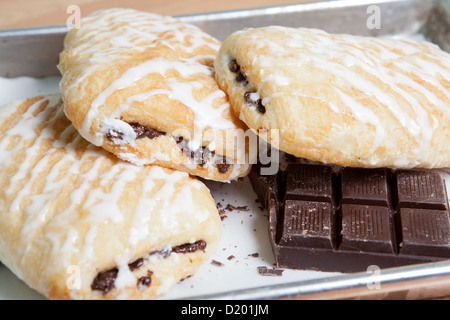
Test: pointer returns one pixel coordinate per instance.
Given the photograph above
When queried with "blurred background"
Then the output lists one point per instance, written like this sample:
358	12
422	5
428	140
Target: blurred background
37	13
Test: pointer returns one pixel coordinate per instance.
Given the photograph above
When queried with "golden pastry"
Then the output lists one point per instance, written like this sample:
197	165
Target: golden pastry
341	99
142	86
76	222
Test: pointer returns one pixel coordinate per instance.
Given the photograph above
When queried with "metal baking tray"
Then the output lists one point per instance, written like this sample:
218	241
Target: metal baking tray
35	52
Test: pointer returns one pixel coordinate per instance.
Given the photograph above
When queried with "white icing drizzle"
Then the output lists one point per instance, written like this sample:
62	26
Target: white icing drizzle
358	61
205	115
71	165
111	35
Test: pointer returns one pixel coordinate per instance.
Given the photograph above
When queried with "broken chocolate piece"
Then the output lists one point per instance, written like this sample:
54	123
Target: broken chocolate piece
264	271
217	263
348	219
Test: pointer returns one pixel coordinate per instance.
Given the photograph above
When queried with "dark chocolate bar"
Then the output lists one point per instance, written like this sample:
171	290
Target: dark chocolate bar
347	219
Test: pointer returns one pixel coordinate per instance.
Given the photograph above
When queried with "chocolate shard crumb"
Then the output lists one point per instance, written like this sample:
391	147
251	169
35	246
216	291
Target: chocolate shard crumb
231	257
190	247
254	255
230	207
105	280
222	214
216	263
185	278
264	271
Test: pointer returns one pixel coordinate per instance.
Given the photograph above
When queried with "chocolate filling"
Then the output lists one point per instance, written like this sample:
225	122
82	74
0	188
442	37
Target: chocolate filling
257	103
202	155
136	264
235	68
222	166
114	134
142	131
240	78
104	281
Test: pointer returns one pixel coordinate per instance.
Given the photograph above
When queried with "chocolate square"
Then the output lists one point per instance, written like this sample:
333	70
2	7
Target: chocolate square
420	189
365	186
309	183
308	224
366	228
425	232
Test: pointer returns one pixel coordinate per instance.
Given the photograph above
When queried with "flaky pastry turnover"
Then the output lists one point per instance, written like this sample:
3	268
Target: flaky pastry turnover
76	222
142	86
341	99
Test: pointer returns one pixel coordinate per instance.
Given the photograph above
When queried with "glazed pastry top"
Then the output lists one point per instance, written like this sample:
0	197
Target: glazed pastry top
307	79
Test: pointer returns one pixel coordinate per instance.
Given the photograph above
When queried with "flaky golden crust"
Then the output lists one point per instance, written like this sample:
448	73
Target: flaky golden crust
124	66
341	99
70	210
